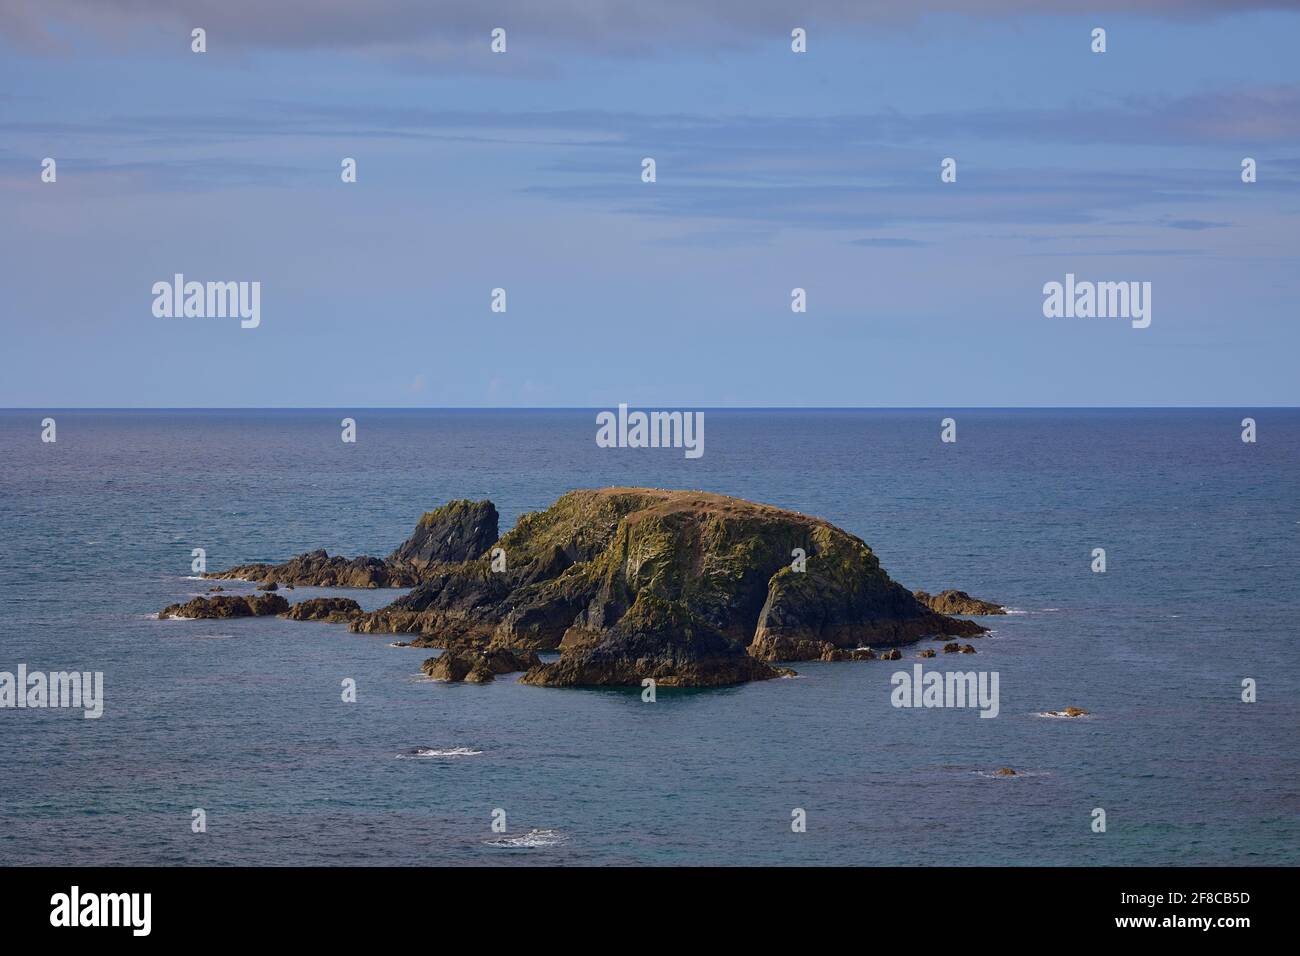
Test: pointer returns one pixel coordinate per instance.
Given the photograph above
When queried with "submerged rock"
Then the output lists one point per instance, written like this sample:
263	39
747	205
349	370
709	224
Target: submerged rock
1005	772
332	610
268	587
958	602
226	606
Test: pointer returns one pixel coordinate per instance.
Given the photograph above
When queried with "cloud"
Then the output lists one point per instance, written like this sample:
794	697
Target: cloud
890	243
449	29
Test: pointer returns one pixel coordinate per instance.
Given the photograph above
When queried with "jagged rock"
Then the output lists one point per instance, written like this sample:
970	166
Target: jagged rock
458	531
928	652
952	648
331	610
957	602
268	587
226	606
477	664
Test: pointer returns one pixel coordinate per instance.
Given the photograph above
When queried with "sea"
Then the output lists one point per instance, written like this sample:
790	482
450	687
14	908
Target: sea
230	742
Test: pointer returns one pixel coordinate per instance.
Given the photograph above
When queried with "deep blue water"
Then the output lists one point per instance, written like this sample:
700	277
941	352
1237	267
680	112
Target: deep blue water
244	718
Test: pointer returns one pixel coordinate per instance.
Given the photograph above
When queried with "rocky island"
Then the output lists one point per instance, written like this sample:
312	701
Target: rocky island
687	588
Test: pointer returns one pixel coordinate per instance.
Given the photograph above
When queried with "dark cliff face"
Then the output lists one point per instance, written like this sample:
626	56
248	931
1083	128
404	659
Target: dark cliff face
458	531
686	588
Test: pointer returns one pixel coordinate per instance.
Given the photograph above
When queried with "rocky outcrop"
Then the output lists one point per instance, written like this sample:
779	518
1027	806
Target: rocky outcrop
324	570
477	665
458	531
330	610
957	602
685	588
833	653
226	606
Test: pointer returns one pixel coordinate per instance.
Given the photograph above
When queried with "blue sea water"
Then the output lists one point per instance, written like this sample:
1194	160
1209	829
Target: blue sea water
245	718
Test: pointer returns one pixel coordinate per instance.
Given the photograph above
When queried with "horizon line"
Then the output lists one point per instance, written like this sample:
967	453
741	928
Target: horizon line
636	406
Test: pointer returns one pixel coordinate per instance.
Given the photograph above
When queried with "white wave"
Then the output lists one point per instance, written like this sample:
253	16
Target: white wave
433	752
1058	715
531	839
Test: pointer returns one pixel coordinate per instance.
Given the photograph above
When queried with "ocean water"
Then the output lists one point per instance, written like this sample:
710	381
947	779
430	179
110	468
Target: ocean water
245	718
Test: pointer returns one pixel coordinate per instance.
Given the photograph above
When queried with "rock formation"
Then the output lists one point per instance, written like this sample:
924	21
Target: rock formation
324	570
685	588
227	605
957	602
330	610
458	531
477	665
1068	712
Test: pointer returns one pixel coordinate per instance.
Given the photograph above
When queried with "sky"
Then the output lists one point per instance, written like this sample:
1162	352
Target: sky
775	170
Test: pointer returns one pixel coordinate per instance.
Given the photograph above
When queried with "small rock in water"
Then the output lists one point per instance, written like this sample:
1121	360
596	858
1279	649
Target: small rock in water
1005	772
928	652
952	648
1069	712
968	648
268	587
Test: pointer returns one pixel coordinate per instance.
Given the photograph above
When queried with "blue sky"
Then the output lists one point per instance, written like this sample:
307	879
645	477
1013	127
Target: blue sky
522	171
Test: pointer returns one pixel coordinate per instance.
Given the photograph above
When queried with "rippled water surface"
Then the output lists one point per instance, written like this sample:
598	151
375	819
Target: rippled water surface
244	718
